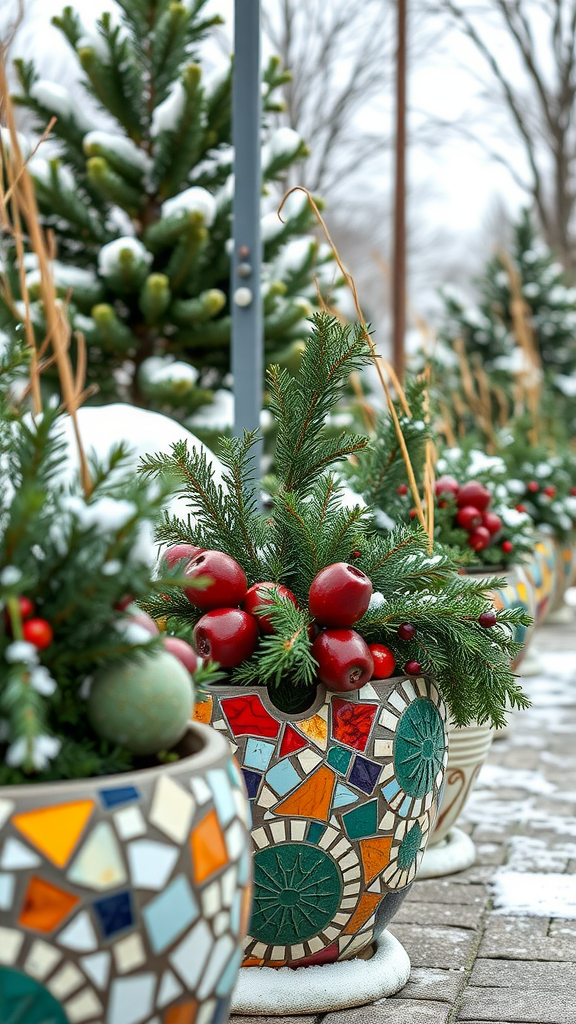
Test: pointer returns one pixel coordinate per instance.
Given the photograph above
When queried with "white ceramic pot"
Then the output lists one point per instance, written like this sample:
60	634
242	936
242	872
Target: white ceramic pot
468	748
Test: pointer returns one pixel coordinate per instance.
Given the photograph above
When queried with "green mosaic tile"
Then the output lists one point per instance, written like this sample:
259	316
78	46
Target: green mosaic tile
339	758
362	821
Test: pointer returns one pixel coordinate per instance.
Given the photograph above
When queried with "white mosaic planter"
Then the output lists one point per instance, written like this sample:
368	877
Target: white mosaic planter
468	748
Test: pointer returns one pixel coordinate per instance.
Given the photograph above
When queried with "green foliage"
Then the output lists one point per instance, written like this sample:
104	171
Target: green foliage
145	207
306	526
550	469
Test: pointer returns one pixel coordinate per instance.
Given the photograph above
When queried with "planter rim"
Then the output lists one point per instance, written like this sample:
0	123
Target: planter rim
213	747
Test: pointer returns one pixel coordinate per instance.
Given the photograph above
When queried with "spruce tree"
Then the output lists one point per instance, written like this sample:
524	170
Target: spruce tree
141	211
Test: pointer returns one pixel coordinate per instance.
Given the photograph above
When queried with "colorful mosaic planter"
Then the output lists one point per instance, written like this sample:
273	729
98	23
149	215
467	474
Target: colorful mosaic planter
518	593
125	899
344	797
542	572
566	571
468	748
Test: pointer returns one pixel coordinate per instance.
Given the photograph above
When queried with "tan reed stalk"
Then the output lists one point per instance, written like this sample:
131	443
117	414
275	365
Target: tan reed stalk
524	334
446	425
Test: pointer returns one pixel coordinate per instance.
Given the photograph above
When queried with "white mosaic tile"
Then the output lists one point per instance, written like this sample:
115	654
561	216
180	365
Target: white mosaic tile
309	760
367	692
190	956
170	988
7	883
151	863
79	935
211	899
383	748
129	953
131	999
17	857
83	1007
267	798
388	720
222	793
229	882
97	967
172	809
10	943
130	823
65	981
41	960
201	790
6	808
220	923
219	957
99	864
206	1013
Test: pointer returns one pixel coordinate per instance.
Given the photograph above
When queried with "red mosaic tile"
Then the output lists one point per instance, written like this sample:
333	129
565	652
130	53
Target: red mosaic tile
291	742
351	722
328	955
248	716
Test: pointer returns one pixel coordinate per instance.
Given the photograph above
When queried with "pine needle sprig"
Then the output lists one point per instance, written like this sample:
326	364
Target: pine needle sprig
286	653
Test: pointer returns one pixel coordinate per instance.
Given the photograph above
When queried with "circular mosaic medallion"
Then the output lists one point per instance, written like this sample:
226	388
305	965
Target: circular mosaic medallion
23	999
419	747
407	850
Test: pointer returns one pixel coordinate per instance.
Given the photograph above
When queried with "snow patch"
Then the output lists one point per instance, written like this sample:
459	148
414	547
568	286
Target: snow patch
168	113
109	255
122	146
58	100
535	894
192	200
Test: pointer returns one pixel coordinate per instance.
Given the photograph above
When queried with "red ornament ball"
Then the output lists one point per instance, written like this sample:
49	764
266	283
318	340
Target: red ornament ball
520	508
26	606
487	619
182	651
180	553
447	485
339	595
507	546
406	631
226	635
412	668
550	491
38	632
492	522
227	587
479	539
384	661
402	489
533	486
413	513
469	518
473	493
344	659
256	597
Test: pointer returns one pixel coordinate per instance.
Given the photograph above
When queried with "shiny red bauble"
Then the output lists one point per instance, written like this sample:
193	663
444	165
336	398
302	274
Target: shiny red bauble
182	651
384	661
487	619
226	635
507	546
227	581
474	494
550	491
412	668
38	632
256	597
520	508
406	631
344	659
533	486
469	517
402	489
180	553
339	595
479	539
447	485
492	522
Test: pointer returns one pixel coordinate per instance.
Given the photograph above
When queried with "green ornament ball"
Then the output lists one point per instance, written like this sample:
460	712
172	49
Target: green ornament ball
144	706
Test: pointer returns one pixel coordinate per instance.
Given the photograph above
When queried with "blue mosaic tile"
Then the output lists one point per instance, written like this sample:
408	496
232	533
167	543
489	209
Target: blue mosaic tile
343	796
244	868
364	774
222	1011
114	913
226	983
316	830
170	914
118	795
283	777
223	799
258	754
389	791
252	780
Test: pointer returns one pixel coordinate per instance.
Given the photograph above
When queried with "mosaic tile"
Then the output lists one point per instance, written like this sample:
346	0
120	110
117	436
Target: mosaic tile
343	796
258	754
55	831
367	692
201	791
315	831
267	798
7	884
248	716
228	978
190	957
278	831
388	720
383	748
352	722
208	848
131	999
66	981
316	729
242	808
361	821
117	795
170	988
375	854
419	748
6	808
364	774
211	899
186	1013
252	781
203	711
222	794
99	863
222	922
79	935
282	777
41	959
114	913
17	857
97	967
219	958
309	760
130	823
229	882
244	868
150	863
10	943
313	797
45	905
339	758
83	1007
291	741
207	1014
172	809
169	914
129	953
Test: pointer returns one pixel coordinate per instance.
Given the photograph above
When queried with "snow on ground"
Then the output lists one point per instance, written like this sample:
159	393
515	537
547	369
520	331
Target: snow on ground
534	894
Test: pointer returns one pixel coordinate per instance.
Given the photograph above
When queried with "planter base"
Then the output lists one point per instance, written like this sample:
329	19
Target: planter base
454	853
270	991
533	664
562	616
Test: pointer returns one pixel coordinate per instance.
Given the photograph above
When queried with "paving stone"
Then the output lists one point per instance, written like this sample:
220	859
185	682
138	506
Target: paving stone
524	938
390	1011
445	948
461	915
490	852
523	974
519	1004
440	890
428	983
304	1019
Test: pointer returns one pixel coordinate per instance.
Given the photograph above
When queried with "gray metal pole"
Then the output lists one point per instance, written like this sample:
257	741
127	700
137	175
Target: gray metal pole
247	327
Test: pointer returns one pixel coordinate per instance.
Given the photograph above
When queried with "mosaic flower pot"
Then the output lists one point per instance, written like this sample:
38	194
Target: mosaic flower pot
518	593
542	571
125	899
468	748
344	796
566	571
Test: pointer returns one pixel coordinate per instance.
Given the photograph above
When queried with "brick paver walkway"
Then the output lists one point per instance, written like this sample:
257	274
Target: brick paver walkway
472	962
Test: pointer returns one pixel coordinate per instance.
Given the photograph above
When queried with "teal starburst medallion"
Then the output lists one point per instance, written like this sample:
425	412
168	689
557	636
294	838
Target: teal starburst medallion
297	890
419	747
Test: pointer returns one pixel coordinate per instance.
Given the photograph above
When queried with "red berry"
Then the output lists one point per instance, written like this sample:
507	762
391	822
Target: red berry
227	587
469	518
344	659
442	503
183	651
226	635
412	668
413	513
573	491
256	597
507	546
520	508
402	489
492	522
356	553
124	602
384	661
479	539
38	632
406	631
533	486
550	491
487	619
339	595
474	494
27	607
179	553
447	485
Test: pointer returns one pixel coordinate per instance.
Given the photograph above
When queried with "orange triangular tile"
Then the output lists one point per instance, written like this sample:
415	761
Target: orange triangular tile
45	906
316	729
208	847
55	831
203	712
368	903
312	799
183	1014
375	855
